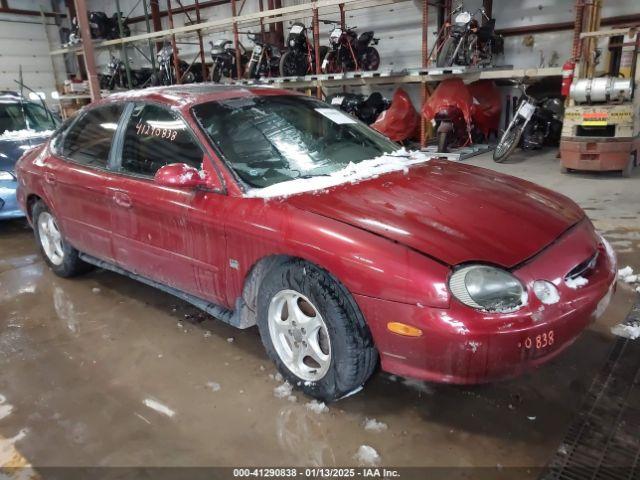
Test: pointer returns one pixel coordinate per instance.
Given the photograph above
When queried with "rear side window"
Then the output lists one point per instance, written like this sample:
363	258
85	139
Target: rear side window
155	137
89	140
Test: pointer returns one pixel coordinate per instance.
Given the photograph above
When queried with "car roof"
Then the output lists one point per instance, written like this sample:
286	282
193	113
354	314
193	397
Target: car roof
186	95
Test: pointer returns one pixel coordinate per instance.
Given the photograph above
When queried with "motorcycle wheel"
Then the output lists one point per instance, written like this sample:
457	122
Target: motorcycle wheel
330	63
216	73
445	56
291	65
508	143
370	59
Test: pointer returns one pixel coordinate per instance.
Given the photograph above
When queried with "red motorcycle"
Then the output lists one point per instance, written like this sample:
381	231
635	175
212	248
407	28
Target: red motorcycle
349	52
463	114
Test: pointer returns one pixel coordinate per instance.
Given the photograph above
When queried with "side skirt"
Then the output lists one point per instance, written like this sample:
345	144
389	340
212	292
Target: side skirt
228	316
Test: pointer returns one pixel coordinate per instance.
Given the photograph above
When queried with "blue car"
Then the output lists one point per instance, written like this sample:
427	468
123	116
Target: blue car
23	125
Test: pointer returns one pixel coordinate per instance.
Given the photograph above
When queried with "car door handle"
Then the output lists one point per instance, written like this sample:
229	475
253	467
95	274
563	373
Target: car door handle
50	178
122	199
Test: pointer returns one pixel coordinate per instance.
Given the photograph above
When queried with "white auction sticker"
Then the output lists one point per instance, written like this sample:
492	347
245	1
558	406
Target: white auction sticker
336	116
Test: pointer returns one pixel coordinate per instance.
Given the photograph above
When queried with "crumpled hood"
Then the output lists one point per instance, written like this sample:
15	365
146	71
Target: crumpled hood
452	212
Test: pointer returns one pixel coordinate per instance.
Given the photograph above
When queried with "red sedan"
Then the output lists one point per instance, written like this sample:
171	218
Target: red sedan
268	208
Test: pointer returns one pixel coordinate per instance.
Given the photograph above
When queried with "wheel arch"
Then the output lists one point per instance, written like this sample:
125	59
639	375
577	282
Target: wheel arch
32	198
246	304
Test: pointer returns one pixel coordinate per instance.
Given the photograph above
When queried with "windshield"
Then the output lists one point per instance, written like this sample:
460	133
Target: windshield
33	117
272	139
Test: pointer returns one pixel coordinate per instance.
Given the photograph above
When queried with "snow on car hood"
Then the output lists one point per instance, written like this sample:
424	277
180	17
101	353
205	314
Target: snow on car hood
450	211
25	134
400	160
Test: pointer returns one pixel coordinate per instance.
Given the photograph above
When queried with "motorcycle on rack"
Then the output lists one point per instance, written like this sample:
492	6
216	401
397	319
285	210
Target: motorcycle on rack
469	43
116	76
101	26
264	60
300	56
349	52
223	55
536	123
166	74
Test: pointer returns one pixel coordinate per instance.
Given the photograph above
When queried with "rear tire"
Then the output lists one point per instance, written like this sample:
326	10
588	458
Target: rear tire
508	143
348	354
61	257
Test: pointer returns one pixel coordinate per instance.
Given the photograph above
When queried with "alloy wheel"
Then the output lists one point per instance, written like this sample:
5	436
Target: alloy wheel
299	335
50	238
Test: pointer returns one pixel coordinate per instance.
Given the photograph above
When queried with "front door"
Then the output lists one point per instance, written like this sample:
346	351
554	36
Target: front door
77	175
171	235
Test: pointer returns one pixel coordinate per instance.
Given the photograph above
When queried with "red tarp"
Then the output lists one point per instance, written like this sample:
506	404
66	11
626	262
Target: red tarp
401	120
479	102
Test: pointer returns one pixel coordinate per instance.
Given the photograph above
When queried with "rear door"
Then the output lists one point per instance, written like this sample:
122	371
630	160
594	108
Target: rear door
171	235
77	178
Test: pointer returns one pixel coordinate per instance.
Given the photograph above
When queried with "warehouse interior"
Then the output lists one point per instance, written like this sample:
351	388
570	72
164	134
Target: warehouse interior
105	376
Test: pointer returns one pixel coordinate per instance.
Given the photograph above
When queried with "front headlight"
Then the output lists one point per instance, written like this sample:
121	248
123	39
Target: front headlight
6	175
488	288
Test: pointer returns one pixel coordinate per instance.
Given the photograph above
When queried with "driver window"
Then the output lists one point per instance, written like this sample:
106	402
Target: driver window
156	137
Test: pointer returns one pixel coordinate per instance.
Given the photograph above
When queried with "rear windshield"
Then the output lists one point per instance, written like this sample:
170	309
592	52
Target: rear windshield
272	139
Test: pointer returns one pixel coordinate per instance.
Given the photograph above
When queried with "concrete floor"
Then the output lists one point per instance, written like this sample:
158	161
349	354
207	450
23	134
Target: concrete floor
79	358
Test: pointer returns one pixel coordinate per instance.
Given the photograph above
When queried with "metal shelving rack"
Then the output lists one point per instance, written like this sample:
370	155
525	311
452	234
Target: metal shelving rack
424	76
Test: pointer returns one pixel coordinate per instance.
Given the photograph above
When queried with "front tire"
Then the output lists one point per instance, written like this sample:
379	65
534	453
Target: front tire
371	59
216	73
61	257
292	66
445	56
508	143
313	331
628	169
442	142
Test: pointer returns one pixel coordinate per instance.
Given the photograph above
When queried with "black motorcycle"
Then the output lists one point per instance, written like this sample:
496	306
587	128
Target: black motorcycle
469	43
264	60
349	52
101	26
116	76
223	55
365	108
166	74
536	123
300	57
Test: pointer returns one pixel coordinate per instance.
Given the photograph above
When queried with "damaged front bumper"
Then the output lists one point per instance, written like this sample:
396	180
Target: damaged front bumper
464	346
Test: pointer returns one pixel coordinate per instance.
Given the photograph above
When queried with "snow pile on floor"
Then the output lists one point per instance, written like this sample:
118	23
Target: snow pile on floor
627	276
373	425
283	391
577	282
367	455
317	407
213	386
627	330
400	160
158	407
25	134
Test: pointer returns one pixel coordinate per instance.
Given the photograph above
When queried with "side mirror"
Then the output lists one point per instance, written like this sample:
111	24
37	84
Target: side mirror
180	175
